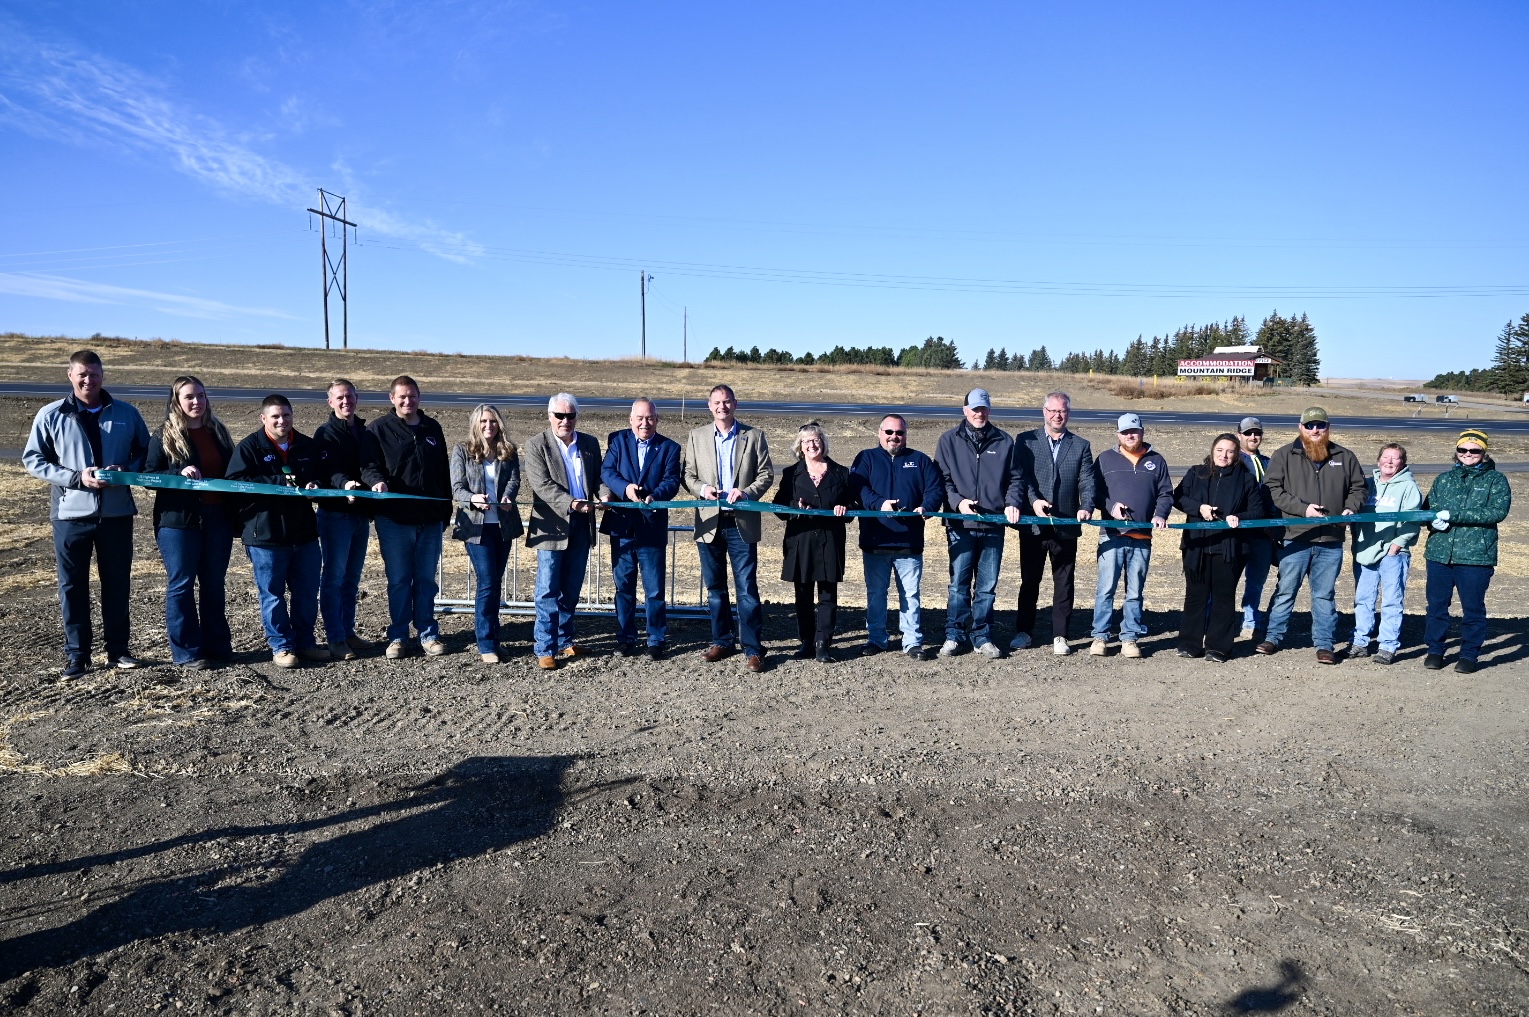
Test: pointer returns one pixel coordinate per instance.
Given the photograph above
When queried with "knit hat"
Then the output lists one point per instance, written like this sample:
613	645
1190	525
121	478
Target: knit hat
1474	434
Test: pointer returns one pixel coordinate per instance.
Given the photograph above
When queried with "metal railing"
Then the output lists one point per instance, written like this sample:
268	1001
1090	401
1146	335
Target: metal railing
597	585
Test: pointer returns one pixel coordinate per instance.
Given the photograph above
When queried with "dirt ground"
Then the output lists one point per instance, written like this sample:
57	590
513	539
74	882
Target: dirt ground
1034	835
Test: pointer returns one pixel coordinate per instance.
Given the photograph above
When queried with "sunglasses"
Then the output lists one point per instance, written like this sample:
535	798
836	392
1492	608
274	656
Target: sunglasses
564	416
1316	425
1462	451
1254	433
891	434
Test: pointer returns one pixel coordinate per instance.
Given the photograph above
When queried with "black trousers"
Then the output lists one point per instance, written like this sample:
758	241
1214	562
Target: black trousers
815	623
111	542
1216	582
1034	552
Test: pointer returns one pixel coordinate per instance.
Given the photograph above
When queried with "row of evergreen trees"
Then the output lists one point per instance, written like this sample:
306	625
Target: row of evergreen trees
1509	372
1291	340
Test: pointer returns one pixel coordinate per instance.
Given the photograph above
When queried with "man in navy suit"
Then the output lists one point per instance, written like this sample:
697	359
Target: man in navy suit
640	465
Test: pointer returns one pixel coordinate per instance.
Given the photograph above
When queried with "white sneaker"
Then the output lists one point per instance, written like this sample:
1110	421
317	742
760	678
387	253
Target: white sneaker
1059	646
1021	641
1099	648
1130	649
949	648
990	651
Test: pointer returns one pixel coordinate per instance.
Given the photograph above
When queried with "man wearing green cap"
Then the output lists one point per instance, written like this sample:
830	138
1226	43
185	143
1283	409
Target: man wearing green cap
1309	478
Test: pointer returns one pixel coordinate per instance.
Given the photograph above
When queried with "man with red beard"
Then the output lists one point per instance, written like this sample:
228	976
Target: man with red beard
1312	476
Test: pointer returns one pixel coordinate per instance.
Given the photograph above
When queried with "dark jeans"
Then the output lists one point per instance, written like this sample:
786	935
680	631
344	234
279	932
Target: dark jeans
1215	584
489	557
627	560
1034	552
815	624
111	540
342	539
196	562
728	545
1471	582
287	579
559	582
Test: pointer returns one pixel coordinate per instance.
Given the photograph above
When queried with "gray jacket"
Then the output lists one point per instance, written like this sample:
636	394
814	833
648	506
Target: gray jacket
1066	482
551	512
58	451
978	466
468	479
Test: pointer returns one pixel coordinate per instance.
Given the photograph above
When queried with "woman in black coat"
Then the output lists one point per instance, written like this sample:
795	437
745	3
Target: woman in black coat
814	545
1221	488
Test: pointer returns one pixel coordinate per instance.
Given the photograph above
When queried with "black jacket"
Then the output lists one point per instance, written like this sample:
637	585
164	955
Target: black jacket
278	520
181	510
978	465
814	545
1235	493
414	463
350	459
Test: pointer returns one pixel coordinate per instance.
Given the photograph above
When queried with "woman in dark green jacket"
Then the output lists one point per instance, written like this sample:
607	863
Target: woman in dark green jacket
1471	499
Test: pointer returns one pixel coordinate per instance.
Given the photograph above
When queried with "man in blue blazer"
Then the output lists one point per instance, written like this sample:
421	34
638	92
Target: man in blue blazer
640	465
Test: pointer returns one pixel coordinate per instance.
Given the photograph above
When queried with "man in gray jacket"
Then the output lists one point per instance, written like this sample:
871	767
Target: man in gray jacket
976	462
73	441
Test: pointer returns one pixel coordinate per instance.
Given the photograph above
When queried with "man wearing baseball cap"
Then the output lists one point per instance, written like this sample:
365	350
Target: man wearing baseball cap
1261	543
976	467
1311	477
1133	484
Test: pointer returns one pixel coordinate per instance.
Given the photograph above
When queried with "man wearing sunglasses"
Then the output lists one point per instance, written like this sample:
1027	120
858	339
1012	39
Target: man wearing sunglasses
895	478
1309	478
1261	543
562	468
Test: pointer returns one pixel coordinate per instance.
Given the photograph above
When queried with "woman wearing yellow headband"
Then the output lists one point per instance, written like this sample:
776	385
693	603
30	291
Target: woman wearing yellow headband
1471	499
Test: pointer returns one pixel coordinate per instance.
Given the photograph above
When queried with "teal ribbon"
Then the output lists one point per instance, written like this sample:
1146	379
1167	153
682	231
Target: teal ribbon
999	520
176	482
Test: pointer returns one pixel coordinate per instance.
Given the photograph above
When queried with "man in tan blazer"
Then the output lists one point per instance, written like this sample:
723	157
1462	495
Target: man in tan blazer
562	468
729	461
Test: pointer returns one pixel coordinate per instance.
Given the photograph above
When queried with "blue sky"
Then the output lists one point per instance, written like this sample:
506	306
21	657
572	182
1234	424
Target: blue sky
797	175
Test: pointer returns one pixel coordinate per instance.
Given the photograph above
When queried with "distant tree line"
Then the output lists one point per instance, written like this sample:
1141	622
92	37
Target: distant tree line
1509	372
937	353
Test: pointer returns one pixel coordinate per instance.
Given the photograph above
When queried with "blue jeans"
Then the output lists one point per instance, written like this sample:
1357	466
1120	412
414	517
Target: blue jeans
627	559
1255	575
975	558
1322	562
112	542
1471	581
410	556
342	539
728	545
1388	577
1128	558
880	567
489	556
287	579
196	561
559	581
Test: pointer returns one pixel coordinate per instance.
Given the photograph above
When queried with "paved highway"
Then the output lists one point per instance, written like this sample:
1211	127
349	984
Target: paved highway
804	409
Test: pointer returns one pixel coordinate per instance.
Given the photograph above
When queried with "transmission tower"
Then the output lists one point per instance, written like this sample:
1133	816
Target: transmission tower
336	272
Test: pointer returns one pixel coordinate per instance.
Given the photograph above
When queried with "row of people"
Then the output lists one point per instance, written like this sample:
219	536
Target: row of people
307	563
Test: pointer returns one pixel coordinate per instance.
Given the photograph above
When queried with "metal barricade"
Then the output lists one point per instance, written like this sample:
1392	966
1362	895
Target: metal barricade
595	598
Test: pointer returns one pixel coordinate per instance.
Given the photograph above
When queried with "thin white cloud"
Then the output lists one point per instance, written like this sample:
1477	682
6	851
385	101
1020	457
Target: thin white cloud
52	90
79	291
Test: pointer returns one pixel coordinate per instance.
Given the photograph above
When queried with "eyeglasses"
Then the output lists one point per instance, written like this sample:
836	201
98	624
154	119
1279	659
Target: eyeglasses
1315	425
892	434
1254	433
564	416
1463	451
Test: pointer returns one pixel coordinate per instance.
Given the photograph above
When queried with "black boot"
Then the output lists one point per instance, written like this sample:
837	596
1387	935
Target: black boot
803	652
823	656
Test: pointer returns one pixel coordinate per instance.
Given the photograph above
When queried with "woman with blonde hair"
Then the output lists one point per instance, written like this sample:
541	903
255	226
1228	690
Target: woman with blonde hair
194	529
814	545
485	478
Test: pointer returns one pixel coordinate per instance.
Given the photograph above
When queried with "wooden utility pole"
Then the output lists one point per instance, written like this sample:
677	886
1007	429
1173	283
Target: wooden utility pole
336	273
645	278
685	343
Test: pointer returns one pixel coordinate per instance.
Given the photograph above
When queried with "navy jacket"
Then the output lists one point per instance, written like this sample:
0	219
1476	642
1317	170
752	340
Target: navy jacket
1144	486
911	479
1258	466
659	476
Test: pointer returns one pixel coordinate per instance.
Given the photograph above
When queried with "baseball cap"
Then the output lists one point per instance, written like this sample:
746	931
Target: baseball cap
1129	422
1313	413
1248	424
978	398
